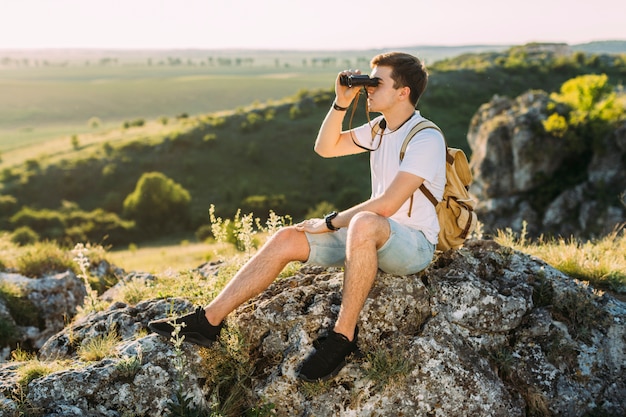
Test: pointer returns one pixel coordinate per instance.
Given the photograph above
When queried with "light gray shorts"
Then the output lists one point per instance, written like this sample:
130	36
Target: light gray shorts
406	252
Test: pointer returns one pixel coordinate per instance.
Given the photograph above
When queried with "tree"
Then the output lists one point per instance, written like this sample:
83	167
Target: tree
158	204
592	109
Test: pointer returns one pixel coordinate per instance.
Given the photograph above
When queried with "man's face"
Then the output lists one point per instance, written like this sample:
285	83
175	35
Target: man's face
384	95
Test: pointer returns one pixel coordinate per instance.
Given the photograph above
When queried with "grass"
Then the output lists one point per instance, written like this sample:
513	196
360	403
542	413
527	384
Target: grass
116	94
601	262
228	368
161	257
99	347
387	366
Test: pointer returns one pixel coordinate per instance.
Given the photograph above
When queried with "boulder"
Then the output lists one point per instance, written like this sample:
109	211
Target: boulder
39	307
485	331
516	165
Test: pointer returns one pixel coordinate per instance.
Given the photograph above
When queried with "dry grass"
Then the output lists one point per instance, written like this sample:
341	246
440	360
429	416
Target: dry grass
601	262
99	347
169	257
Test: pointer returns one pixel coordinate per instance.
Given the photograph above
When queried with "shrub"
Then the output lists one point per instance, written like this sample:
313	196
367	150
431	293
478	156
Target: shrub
49	224
24	235
43	259
263	203
320	210
94	122
8	207
158	203
96	226
251	122
134	123
593	107
203	233
99	347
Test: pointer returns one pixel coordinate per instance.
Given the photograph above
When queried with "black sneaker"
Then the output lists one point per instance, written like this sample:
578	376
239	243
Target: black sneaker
195	327
329	357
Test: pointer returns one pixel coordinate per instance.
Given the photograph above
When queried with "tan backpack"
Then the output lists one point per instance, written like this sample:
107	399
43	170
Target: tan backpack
457	219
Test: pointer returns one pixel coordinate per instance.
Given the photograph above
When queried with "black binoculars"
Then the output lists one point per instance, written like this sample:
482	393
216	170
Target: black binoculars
358	80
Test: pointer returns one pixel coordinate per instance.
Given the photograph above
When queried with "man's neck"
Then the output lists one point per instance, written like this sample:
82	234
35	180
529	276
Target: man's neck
396	119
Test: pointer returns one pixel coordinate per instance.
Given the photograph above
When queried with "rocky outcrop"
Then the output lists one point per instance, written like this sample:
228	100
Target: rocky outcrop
33	310
516	165
484	331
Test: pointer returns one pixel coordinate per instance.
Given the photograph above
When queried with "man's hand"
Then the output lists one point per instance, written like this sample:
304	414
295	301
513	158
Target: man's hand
313	226
344	94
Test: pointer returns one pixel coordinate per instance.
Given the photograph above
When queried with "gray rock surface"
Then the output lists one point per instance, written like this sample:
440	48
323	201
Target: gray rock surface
484	331
515	163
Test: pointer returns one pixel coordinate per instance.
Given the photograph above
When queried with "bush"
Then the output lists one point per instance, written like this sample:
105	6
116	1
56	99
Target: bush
134	123
43	259
8	207
158	203
263	203
24	235
96	226
49	224
70	225
94	122
204	233
320	210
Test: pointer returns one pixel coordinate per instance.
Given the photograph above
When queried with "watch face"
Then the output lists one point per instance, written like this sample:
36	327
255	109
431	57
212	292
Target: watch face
329	217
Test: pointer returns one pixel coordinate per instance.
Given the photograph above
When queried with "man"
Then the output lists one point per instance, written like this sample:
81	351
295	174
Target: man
389	231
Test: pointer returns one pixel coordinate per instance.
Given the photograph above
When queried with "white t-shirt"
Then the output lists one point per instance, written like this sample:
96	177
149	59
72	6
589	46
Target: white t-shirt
425	157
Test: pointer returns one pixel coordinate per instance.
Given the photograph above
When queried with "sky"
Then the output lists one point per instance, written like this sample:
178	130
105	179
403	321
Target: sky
304	25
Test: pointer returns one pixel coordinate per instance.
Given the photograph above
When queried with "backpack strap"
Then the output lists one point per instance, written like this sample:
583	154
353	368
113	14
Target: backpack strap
424	124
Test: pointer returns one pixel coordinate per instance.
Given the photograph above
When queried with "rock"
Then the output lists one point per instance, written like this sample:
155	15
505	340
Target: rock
485	331
516	165
43	306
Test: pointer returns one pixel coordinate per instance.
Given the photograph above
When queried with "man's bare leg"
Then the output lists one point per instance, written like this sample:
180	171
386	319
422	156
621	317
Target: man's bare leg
259	272
367	233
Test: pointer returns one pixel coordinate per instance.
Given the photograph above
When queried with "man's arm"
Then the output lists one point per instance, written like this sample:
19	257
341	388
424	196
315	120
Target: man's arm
386	205
331	140
400	190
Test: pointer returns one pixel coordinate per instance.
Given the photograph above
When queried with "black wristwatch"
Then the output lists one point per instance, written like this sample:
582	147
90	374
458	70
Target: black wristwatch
329	221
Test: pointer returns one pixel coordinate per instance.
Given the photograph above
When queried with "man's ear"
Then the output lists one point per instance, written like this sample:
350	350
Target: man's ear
405	93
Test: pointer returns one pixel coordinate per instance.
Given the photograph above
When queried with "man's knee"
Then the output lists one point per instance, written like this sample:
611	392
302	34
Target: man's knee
370	226
367	220
292	242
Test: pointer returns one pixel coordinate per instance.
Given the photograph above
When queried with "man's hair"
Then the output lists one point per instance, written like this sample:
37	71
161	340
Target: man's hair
407	71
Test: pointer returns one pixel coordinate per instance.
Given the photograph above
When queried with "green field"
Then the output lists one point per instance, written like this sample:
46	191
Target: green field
38	104
246	142
48	94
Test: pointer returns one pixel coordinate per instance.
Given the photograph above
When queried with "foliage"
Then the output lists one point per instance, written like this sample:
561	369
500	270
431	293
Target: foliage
91	302
99	347
24	235
229	374
601	262
8	207
11	296
71	225
584	111
34	369
271	165
41	259
158	203
386	366
134	123
20	307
